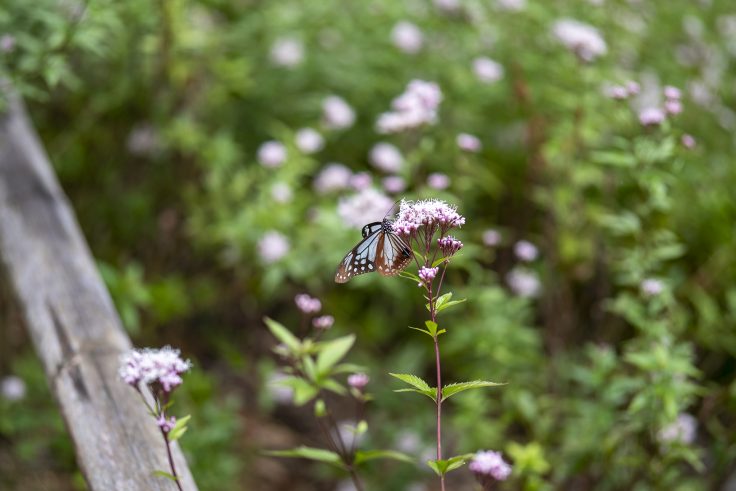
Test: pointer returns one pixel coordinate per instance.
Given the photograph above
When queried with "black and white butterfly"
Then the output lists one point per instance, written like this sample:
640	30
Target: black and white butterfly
380	250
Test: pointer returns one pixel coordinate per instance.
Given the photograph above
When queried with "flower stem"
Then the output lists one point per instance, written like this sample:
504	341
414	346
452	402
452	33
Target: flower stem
171	459
439	406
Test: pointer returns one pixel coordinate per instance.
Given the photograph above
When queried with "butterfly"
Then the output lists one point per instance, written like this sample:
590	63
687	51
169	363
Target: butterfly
380	250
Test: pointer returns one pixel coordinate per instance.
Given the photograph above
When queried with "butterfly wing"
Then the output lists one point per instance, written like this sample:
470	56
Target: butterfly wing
393	254
371	228
362	258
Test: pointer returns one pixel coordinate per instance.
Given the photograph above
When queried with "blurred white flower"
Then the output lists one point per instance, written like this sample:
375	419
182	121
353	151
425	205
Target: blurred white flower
468	143
279	392
287	52
487	70
582	39
683	430
526	251
651	287
407	37
143	140
523	282
309	140
337	113
273	246
393	184
12	388
333	177
447	5
386	157
491	237
439	181
514	5
281	192
7	43
369	205
416	106
272	154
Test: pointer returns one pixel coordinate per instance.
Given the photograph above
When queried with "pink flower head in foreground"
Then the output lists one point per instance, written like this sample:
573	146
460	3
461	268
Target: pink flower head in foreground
323	322
415	107
307	304
430	213
489	466
427	275
358	380
449	245
166	425
154	367
651	116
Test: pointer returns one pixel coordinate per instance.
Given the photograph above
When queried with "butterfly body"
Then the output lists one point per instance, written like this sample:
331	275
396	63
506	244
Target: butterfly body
380	250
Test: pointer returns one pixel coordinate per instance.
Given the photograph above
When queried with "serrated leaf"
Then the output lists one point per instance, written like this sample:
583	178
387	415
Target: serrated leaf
318	454
412	380
331	352
432	393
431	327
452	389
179	428
165	474
283	334
442	467
422	330
362	456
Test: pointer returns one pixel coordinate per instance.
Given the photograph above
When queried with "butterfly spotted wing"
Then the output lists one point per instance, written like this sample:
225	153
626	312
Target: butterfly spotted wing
380	250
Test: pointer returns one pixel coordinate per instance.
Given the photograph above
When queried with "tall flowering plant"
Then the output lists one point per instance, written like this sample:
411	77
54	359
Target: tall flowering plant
426	226
161	371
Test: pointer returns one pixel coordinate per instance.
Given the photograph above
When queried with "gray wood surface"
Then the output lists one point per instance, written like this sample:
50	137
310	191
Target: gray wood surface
48	269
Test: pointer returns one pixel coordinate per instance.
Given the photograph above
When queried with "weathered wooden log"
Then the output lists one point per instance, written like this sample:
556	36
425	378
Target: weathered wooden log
47	267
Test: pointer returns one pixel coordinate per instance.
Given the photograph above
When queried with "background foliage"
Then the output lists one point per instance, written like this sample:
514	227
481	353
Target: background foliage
154	112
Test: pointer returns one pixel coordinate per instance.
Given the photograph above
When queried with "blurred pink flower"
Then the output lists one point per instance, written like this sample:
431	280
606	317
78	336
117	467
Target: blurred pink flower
386	157
491	237
633	87
487	70
512	5
323	322
671	92
358	380
416	106
526	251
309	140
524	283
673	106
447	5
468	143
369	205
307	304
582	39
688	141
651	287
651	116
489	464
337	113
361	180
7	43
407	37
281	192
617	92
683	430
272	154
287	52
273	246
438	181
393	184
333	177
12	388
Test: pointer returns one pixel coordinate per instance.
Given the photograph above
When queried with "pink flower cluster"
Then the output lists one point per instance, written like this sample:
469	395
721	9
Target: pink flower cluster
162	367
429	213
427	275
582	39
307	304
358	380
449	245
489	464
323	322
415	107
166	425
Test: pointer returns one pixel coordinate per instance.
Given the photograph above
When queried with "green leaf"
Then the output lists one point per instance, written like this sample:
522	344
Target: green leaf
318	454
320	408
179	428
362	456
164	474
431	327
439	261
614	159
421	387
333	386
447	305
283	334
422	330
442	467
348	368
452	389
362	427
303	390
332	351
